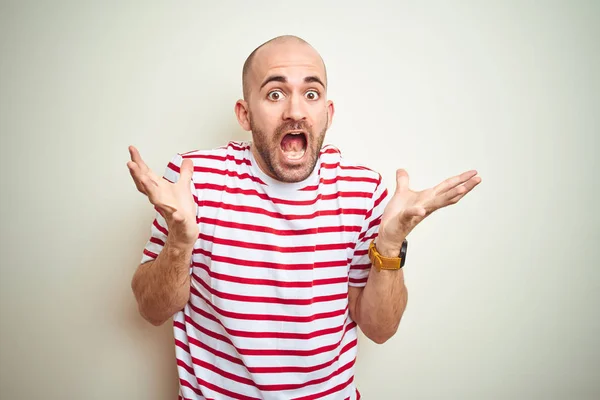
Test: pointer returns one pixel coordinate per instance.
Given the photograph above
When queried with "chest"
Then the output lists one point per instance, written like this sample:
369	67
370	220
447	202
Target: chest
275	256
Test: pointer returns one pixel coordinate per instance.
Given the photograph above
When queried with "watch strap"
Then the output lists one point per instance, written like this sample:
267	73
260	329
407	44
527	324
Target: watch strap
380	262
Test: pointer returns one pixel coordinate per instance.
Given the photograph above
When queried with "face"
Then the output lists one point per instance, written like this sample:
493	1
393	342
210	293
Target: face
287	110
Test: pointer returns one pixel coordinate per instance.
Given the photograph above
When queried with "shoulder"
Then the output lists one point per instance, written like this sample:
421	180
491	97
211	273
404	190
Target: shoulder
234	151
230	151
332	159
218	158
361	185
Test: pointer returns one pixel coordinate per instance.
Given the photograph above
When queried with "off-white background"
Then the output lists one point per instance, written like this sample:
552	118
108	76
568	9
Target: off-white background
503	287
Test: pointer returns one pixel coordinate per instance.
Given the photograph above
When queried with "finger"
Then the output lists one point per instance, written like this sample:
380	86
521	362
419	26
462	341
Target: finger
454	195
401	180
451	183
186	171
136	174
137	158
143	168
153	191
145	182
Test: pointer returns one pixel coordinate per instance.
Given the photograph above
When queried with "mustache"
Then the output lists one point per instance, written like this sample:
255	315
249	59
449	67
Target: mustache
293	126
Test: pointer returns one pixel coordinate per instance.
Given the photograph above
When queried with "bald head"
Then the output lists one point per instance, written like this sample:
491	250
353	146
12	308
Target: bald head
285	106
267	50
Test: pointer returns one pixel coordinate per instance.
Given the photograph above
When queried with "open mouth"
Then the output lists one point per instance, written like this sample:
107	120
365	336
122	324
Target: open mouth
293	145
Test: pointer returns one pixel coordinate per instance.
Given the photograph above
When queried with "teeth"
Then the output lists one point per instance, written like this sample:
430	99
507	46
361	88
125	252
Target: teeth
292	154
295	155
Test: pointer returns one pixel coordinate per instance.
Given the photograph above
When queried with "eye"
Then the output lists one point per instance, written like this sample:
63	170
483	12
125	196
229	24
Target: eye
275	95
312	95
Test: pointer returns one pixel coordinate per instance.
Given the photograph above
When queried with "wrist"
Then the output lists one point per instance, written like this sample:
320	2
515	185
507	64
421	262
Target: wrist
388	249
177	248
182	235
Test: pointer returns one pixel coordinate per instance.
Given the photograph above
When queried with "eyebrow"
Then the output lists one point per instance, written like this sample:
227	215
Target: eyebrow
274	78
283	79
311	79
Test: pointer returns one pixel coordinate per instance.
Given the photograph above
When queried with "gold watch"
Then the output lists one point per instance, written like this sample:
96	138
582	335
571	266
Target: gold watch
389	263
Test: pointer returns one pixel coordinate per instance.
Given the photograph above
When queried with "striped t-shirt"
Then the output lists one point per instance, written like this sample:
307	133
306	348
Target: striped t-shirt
268	313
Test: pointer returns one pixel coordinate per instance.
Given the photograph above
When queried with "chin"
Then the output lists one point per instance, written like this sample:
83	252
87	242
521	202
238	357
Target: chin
293	174
292	156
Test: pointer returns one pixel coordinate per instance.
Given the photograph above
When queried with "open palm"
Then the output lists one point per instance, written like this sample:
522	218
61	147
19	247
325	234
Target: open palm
174	201
407	208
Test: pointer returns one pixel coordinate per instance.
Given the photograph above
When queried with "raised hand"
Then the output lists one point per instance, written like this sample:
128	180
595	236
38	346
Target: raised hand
408	208
174	201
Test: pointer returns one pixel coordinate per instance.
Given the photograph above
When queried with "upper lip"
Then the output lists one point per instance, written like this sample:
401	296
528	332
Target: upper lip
289	132
300	131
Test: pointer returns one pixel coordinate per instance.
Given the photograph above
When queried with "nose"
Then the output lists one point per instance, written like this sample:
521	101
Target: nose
295	108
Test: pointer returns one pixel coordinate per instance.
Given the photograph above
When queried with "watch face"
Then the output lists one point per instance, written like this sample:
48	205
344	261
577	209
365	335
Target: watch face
403	251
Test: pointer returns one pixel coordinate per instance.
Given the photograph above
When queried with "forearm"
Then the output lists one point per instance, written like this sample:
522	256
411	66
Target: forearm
162	286
382	302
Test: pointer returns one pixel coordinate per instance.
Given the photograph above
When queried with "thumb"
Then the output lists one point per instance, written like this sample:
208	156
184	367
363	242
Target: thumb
186	171
415	211
401	180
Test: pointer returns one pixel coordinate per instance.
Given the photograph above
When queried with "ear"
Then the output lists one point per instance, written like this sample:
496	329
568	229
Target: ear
241	111
330	112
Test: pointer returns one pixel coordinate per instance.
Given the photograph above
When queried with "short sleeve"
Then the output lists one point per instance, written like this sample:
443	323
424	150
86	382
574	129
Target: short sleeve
360	264
158	229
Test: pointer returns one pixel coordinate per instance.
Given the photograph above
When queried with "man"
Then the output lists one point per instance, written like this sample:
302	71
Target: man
270	253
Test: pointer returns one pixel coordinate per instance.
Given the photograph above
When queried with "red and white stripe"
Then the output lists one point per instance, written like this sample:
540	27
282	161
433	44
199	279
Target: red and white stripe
268	311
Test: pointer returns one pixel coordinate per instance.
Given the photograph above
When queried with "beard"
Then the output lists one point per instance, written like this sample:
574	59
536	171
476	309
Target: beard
269	149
